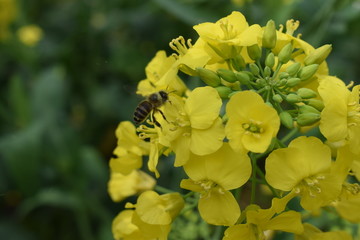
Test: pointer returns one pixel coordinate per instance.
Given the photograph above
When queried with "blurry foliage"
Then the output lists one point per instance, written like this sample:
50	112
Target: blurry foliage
62	99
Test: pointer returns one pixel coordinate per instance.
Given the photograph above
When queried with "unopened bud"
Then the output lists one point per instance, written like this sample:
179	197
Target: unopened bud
269	35
209	77
238	63
267	71
306	93
281	83
270	60
308	71
277	98
285	53
316	103
227	75
319	55
283	75
304	109
286	119
242	77
254	69
223	91
293	69
307	119
293	98
292	82
254	52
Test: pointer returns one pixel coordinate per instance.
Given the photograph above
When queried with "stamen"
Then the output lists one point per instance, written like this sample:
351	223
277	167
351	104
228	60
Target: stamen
180	46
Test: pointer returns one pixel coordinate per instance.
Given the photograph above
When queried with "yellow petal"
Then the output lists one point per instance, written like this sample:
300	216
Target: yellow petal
289	221
240	231
227	168
202	107
220	208
206	141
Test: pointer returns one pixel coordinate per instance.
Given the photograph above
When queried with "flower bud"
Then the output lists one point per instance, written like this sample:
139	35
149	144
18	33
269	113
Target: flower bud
308	71
254	52
307	119
242	77
293	98
293	69
285	53
223	91
267	71
319	55
269	35
316	103
209	77
292	82
227	75
277	98
308	109
286	119
254	69
283	75
238	63
270	60
281	83
306	93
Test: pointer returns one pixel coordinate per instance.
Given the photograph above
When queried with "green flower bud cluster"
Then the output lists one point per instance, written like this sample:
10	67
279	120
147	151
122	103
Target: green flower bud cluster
278	76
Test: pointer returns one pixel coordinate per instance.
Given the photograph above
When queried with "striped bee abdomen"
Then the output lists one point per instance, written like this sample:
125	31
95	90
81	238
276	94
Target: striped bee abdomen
142	111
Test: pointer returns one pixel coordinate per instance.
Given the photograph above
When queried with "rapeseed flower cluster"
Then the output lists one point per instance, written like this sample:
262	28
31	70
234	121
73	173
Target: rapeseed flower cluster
237	132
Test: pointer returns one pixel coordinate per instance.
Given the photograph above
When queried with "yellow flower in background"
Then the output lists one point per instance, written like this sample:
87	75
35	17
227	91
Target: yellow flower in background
252	124
153	208
122	186
340	119
129	150
313	233
196	125
30	35
228	35
155	70
8	12
213	176
128	226
305	167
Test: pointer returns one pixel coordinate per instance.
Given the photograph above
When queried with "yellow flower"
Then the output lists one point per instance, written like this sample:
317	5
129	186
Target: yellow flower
156	209
30	35
129	150
228	35
128	226
252	124
195	124
155	70
260	220
348	204
122	186
313	233
213	176
191	56
340	119
305	167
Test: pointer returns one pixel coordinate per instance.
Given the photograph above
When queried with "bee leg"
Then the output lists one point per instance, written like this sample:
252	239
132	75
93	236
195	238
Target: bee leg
162	114
154	119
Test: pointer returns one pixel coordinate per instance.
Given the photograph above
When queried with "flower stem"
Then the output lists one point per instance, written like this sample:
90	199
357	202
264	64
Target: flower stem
288	136
253	180
162	189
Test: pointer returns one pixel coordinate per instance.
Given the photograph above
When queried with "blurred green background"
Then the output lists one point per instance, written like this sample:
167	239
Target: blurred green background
68	75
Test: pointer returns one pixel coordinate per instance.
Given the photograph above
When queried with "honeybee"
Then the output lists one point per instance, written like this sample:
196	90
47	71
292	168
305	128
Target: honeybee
151	105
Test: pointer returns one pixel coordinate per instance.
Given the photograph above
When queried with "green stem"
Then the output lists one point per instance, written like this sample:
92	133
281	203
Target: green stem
253	180
162	189
288	136
262	175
